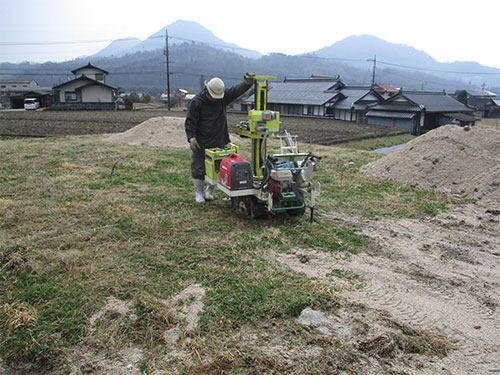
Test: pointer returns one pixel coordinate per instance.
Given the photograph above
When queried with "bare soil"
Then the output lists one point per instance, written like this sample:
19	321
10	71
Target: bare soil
463	161
440	275
60	123
88	357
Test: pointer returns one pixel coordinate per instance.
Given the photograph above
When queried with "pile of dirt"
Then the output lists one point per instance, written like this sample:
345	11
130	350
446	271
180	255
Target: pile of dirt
156	132
450	159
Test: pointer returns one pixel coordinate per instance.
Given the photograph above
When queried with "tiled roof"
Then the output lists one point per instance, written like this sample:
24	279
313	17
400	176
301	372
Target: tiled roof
89	66
461	116
386	114
437	102
422	100
303	92
385	87
85	78
352	94
481	92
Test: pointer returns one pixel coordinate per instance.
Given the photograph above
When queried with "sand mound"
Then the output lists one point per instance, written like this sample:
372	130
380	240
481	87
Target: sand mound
158	131
451	159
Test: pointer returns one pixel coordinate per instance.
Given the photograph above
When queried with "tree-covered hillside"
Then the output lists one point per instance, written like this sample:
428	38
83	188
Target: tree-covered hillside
192	63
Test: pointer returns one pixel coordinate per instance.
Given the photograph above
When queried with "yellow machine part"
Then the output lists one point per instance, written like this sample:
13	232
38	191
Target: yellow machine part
213	157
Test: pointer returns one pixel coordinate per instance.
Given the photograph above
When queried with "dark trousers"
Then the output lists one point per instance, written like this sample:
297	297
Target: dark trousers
198	164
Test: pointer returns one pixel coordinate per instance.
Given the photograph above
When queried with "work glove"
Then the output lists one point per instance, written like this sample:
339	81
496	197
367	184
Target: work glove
249	79
193	144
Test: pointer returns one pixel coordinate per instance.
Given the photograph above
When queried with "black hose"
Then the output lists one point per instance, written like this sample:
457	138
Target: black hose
268	173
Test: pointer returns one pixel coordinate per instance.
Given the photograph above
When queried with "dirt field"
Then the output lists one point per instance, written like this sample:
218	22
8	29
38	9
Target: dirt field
55	123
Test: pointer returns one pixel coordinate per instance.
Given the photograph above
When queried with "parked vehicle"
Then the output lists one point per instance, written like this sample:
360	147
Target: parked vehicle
31	103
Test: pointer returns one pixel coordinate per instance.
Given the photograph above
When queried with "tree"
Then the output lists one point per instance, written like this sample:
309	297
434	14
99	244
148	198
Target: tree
461	96
134	97
146	98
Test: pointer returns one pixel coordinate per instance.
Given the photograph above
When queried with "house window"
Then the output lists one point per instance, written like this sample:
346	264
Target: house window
4	86
99	77
295	109
310	110
70	96
25	85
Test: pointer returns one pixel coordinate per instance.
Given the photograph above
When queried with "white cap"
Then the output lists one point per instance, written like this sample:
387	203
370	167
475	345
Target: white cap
215	88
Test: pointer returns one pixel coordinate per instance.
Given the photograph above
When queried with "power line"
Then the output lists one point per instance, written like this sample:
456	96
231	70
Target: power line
69	74
433	70
59	42
316	57
307	56
215	45
56	42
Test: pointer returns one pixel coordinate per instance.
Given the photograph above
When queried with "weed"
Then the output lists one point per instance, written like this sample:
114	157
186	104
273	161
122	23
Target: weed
73	234
329	236
13	258
343	274
412	340
40	317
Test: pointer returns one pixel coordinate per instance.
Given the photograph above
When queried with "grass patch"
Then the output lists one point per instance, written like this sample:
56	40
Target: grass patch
82	220
345	189
376	143
39	316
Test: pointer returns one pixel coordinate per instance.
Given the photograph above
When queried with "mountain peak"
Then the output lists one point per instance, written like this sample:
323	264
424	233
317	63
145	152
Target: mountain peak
118	47
182	31
364	47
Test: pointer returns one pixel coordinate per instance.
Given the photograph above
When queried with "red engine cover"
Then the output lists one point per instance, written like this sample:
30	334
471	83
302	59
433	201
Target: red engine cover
236	173
274	187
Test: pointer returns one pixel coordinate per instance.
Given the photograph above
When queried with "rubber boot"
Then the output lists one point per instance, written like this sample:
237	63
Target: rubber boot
209	193
198	190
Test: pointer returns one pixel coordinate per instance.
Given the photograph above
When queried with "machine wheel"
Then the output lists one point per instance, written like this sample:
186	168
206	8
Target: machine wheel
235	203
240	204
297	211
257	210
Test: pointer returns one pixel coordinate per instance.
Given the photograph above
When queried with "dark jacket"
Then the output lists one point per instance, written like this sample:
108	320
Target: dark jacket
206	120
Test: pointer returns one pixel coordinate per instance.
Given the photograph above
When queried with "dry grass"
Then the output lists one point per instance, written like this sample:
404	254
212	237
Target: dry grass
489	122
72	234
19	315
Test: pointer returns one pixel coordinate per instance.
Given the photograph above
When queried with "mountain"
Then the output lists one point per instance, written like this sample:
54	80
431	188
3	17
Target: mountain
192	63
394	62
180	32
118	47
360	50
197	54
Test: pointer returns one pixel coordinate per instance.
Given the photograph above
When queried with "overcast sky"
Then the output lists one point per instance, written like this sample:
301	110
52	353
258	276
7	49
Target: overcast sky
448	30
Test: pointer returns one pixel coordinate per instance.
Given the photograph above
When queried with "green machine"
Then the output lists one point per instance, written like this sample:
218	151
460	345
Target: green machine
275	183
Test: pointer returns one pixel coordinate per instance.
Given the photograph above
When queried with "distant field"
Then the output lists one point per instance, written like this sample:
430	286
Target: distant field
48	123
494	122
326	131
52	123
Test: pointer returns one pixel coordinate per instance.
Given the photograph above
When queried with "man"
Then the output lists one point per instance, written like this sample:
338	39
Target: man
206	126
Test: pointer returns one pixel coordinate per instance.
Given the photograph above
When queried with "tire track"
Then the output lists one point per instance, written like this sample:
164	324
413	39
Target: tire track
428	277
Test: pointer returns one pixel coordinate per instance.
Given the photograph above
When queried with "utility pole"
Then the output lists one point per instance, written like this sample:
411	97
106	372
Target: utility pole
168	69
374	66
